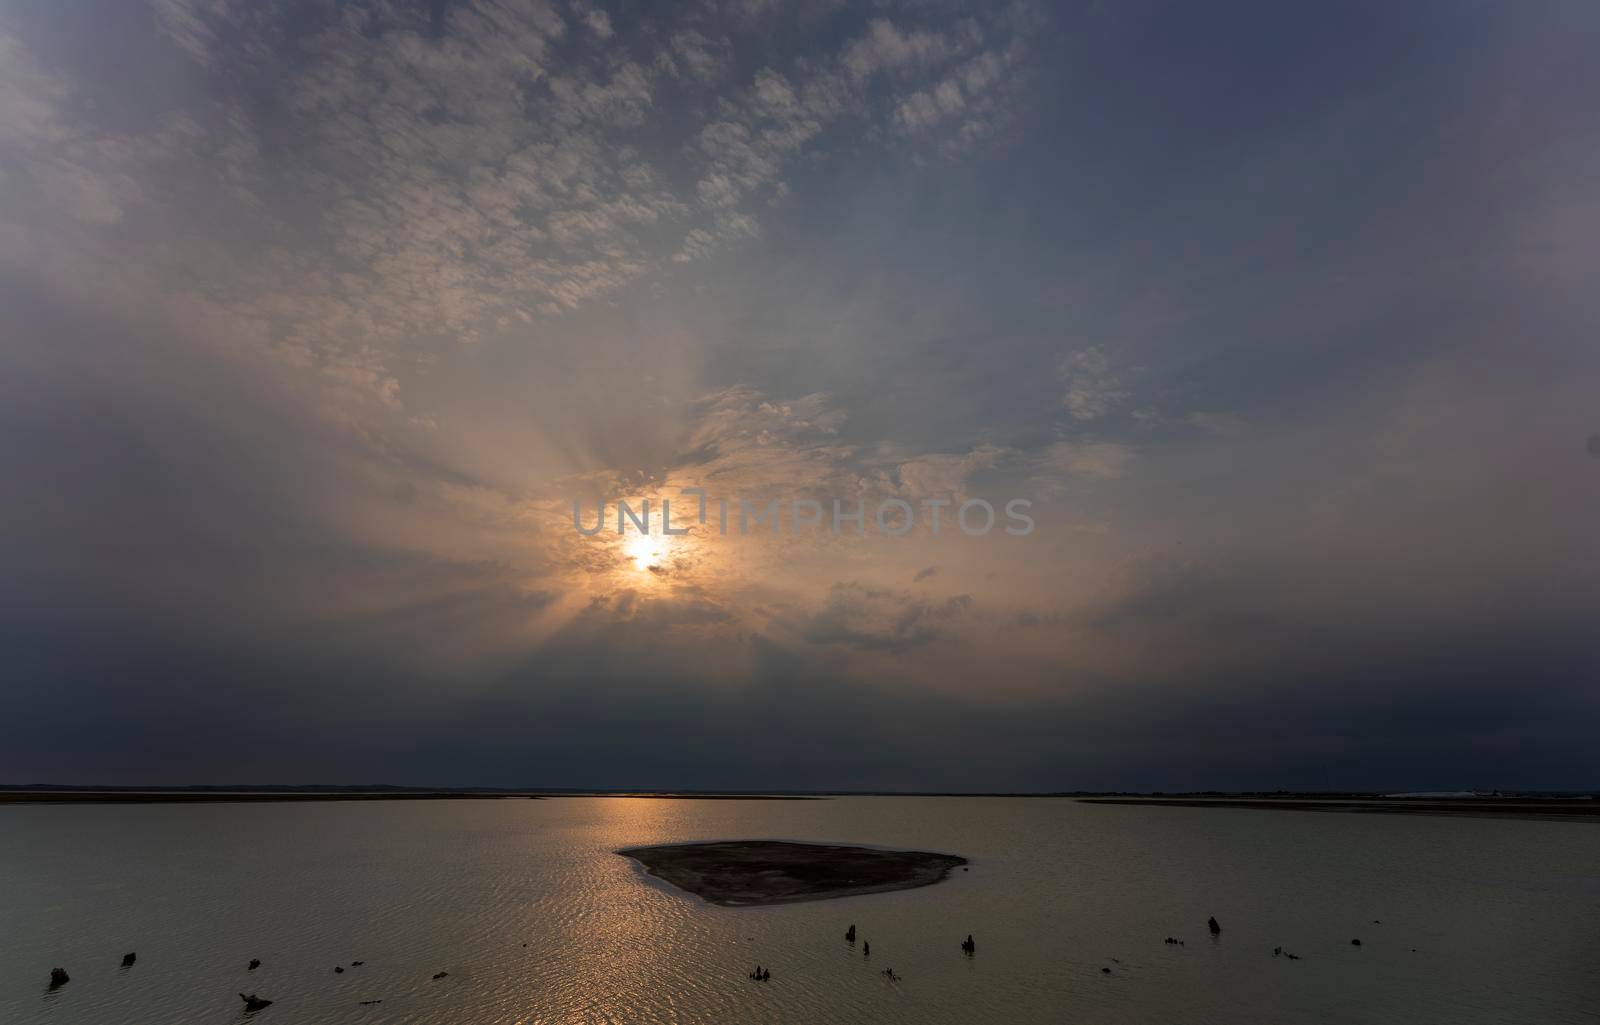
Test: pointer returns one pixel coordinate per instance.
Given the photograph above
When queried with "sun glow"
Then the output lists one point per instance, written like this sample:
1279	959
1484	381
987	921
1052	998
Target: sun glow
645	550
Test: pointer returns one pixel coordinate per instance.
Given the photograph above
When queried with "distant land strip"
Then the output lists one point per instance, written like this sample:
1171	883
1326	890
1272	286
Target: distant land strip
1563	805
248	796
1571	809
57	794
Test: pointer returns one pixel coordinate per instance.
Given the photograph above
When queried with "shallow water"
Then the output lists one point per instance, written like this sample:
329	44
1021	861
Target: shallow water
1504	916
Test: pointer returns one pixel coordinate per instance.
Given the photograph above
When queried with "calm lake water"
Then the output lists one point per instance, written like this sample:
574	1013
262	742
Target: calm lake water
536	921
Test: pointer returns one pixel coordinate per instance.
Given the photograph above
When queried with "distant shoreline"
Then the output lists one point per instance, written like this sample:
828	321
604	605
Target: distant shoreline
214	797
1549	805
47	795
1571	810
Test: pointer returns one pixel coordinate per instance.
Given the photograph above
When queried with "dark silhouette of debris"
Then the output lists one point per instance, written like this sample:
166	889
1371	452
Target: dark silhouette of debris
255	962
1211	923
967	946
1355	943
369	1003
1107	971
253	1002
866	949
850	933
357	964
440	975
337	970
59	977
129	959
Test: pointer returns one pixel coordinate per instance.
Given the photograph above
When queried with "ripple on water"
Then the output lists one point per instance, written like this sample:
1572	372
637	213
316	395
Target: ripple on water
1500	911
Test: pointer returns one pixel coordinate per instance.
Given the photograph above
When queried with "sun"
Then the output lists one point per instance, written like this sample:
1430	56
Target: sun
645	550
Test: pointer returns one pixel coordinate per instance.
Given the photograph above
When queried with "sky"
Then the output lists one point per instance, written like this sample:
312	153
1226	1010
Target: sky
1280	319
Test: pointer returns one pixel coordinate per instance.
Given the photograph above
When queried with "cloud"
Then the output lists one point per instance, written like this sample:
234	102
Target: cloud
1092	389
885	48
438	182
697	55
943	474
968	104
319	317
1224	424
1106	460
598	22
872	619
193	25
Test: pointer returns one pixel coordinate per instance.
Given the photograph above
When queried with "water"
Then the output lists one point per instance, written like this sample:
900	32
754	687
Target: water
1504	915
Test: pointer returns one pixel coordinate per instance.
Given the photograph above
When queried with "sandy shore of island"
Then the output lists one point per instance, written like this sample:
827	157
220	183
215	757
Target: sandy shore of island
750	873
